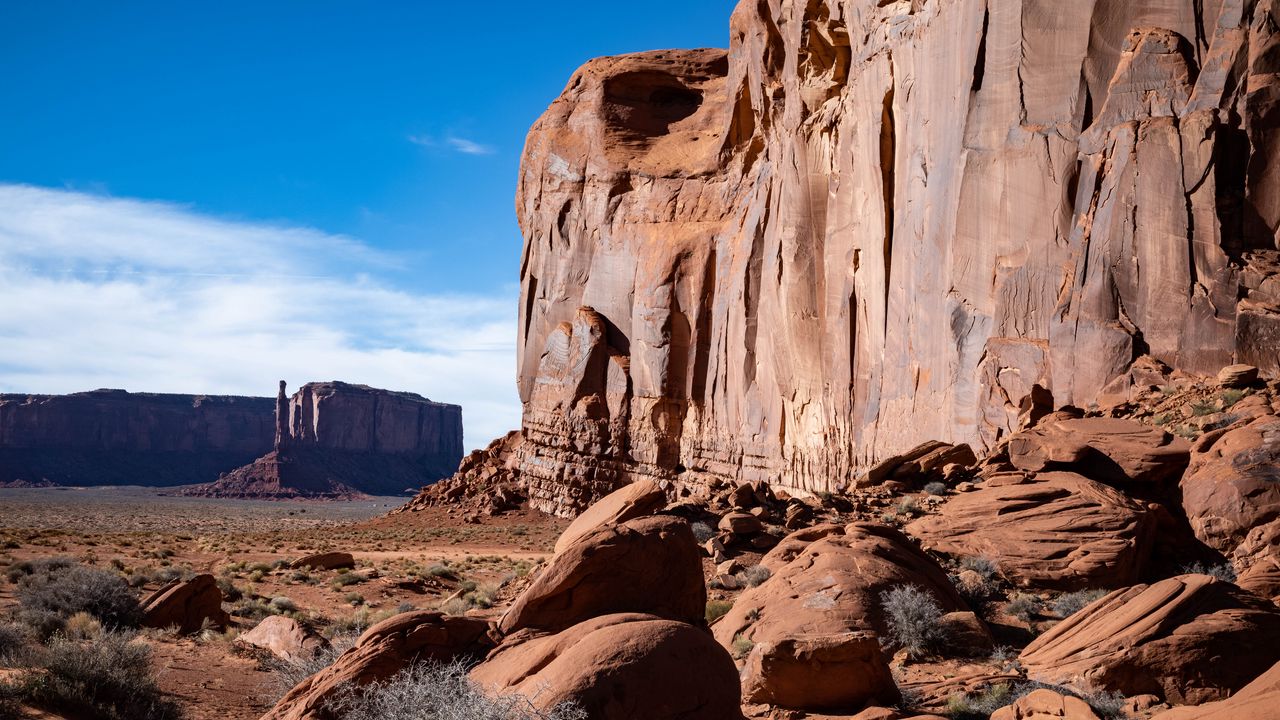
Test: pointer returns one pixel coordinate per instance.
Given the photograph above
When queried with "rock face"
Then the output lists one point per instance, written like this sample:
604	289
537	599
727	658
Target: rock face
335	439
1255	701
872	224
619	667
1104	449
1182	639
187	606
113	437
1043	704
834	672
1059	530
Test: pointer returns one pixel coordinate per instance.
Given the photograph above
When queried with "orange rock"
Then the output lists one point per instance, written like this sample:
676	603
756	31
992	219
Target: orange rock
640	498
1059	531
1104	449
819	672
649	565
1043	704
833	586
619	667
382	651
188	606
325	561
1259	700
1233	485
1182	639
284	638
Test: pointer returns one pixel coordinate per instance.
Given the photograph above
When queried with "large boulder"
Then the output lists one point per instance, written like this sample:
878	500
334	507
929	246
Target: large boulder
650	565
638	499
1060	531
187	606
1233	485
833	587
284	638
1189	639
382	651
1259	700
325	561
1109	450
619	667
821	672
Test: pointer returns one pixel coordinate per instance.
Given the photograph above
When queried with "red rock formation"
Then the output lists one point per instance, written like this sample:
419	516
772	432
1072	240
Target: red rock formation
337	440
113	437
871	224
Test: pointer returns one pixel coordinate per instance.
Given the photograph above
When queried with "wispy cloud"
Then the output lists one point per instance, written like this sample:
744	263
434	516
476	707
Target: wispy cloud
106	292
453	142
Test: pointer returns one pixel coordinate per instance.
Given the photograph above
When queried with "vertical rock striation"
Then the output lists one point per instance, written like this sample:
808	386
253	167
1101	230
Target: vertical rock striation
874	222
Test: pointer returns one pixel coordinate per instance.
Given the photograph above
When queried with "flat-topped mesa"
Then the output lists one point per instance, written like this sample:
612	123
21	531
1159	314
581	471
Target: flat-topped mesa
114	437
870	224
338	440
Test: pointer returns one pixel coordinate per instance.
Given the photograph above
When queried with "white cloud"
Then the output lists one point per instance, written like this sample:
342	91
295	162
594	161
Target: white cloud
106	292
453	142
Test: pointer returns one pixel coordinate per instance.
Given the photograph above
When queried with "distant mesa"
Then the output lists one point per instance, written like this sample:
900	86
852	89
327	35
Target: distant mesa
331	440
114	437
336	440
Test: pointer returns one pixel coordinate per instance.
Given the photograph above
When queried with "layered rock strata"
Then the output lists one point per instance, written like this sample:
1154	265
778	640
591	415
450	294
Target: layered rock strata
113	437
337	440
871	224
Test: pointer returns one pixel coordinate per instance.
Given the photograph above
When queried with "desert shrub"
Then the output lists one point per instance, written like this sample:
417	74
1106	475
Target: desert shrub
10	705
260	567
173	574
253	609
754	575
913	618
975	590
283	604
229	591
935	488
353	598
1230	397
1024	607
717	609
1224	572
15	643
286	674
428	691
702	532
1068	604
65	590
742	646
442	571
106	678
344	579
1201	408
908	507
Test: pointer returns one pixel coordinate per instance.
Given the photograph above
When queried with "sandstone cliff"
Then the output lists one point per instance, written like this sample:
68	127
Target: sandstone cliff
871	223
113	437
335	439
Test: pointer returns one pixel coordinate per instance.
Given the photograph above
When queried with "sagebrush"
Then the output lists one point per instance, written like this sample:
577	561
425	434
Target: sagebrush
914	620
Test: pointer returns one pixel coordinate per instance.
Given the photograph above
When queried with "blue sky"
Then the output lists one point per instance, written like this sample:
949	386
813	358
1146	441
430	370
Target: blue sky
201	197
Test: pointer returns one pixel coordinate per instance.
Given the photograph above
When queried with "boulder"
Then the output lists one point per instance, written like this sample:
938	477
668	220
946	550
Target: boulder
1237	376
1180	638
741	523
795	543
187	606
833	587
619	667
382	651
1044	704
1258	700
1233	484
284	638
1059	531
1108	450
650	565
820	672
325	561
1257	561
638	499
